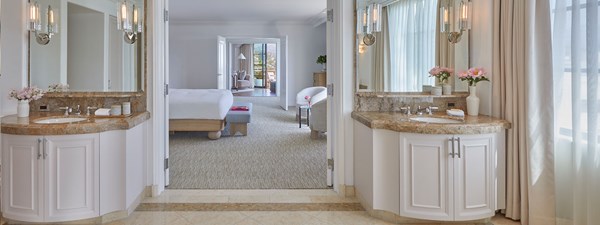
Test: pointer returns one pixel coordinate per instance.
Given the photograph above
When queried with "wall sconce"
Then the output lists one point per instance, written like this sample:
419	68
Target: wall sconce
368	22
129	21
463	22
35	23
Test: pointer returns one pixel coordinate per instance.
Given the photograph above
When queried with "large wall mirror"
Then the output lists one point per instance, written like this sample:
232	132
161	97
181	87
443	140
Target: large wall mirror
409	44
88	52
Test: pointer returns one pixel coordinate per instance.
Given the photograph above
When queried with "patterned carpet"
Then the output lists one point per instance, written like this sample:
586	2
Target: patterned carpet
276	154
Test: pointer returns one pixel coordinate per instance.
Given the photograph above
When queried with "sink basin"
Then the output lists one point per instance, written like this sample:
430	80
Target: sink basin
434	120
60	120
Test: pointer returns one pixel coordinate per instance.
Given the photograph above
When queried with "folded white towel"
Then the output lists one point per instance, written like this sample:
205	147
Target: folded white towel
102	112
455	112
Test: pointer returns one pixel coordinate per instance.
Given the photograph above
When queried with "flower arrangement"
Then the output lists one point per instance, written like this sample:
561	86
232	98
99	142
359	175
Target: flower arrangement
307	98
27	94
473	76
441	73
58	87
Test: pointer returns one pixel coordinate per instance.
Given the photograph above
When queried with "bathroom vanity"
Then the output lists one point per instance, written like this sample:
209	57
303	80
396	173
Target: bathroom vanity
447	169
72	171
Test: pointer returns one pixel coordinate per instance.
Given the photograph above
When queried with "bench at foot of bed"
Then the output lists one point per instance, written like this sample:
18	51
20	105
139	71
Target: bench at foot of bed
213	127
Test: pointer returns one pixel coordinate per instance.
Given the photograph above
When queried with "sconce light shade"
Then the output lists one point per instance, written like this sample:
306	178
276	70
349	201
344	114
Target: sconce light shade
445	18
34	23
241	56
464	15
375	15
52	21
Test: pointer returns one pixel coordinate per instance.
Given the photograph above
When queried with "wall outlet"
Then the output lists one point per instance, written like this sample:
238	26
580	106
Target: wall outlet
451	104
44	108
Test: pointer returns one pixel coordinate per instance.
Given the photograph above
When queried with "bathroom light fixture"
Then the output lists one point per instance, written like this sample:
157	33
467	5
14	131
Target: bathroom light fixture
129	21
463	22
43	34
368	22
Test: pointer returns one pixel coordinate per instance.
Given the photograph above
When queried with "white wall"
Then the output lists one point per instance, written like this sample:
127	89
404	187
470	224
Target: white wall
14	52
481	49
193	48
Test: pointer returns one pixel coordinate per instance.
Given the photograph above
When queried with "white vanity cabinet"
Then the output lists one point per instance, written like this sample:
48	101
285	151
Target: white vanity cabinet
447	177
50	178
441	177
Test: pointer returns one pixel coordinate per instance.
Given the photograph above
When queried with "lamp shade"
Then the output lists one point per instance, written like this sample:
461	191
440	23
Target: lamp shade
241	56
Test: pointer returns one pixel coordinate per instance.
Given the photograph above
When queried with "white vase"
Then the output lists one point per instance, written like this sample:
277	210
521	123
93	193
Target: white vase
446	89
472	102
23	108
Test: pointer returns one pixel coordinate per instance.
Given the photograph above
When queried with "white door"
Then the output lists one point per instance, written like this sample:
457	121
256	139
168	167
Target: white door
21	178
473	175
221	65
426	190
72	177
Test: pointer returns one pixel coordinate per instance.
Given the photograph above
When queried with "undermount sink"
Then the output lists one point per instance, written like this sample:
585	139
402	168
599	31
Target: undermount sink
434	120
60	120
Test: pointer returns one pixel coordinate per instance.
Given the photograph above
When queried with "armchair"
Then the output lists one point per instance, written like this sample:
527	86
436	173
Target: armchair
316	94
242	80
318	119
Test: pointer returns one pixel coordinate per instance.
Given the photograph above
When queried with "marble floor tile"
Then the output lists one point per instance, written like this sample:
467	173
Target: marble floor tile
499	219
210	218
347	218
291	218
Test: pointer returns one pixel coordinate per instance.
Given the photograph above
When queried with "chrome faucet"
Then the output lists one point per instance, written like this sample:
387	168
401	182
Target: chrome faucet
88	112
67	110
77	111
420	110
406	110
430	109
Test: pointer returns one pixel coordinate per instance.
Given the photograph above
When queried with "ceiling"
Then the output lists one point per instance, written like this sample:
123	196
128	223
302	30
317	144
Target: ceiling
247	10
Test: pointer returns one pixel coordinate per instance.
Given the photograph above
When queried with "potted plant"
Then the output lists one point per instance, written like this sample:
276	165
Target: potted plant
473	76
442	74
322	59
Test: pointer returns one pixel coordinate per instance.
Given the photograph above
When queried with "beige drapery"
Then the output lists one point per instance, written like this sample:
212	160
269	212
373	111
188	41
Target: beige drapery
522	94
246	49
381	56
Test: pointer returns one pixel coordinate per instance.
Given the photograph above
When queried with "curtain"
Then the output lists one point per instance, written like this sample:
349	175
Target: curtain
381	57
522	94
247	50
576	68
412	27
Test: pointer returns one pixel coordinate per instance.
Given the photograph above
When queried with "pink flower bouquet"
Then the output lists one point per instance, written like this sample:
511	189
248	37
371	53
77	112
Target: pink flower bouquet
473	76
27	94
307	98
441	73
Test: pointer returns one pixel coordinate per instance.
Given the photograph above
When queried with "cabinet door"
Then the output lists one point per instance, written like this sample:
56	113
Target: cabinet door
474	173
21	178
426	190
72	177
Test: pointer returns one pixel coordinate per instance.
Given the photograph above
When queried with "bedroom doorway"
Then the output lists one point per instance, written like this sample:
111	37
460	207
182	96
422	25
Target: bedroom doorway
255	67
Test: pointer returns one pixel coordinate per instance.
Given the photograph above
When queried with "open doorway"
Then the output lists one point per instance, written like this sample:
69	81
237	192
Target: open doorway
276	149
257	69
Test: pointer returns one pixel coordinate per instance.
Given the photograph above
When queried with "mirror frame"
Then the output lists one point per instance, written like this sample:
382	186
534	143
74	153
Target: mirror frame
371	93
142	65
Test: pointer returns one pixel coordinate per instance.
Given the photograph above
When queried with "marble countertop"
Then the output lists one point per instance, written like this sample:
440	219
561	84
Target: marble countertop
399	122
26	126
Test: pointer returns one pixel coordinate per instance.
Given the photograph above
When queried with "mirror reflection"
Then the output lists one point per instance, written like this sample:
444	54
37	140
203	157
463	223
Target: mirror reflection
88	52
409	44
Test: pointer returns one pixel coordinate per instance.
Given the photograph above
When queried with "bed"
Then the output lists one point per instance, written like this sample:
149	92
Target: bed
199	110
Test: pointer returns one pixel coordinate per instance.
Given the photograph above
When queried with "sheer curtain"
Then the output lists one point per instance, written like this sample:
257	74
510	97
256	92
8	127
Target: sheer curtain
412	26
576	69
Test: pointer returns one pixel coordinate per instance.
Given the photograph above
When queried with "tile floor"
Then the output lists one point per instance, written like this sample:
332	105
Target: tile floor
244	197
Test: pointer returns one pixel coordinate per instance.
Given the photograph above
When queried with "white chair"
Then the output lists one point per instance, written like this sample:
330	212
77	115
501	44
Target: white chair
316	94
318	118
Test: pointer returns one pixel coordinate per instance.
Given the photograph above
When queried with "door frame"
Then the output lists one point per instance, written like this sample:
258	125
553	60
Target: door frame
340	47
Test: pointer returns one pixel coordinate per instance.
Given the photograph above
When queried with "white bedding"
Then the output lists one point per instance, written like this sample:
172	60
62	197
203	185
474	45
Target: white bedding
209	104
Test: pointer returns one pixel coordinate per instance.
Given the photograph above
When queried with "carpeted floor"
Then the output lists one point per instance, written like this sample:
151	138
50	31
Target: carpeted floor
276	154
